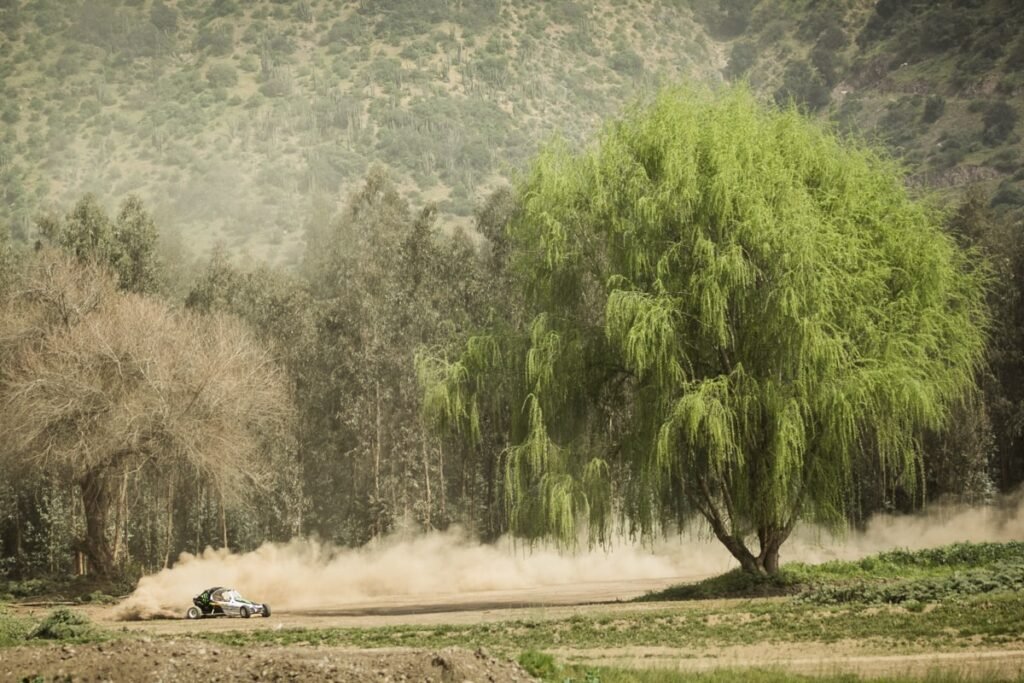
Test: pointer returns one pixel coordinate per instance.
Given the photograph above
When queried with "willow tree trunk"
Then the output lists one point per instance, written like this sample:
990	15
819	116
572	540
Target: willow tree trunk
721	518
96	504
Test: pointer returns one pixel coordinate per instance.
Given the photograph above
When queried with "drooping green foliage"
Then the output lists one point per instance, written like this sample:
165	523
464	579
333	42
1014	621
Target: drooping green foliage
730	308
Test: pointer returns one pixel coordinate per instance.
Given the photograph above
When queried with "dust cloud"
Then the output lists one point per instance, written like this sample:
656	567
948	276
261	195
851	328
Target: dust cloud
306	574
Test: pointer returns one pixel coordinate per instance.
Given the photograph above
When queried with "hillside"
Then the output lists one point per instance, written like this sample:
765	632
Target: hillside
234	119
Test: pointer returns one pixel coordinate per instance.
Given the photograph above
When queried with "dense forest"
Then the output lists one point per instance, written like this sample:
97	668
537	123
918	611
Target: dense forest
237	238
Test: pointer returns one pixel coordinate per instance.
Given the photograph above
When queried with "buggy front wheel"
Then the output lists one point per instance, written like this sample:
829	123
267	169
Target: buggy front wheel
244	612
266	610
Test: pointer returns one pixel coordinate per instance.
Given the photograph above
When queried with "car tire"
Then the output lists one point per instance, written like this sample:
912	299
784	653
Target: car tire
266	610
244	612
193	613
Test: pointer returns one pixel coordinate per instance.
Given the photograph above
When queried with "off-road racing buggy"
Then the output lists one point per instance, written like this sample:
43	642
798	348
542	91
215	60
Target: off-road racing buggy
224	602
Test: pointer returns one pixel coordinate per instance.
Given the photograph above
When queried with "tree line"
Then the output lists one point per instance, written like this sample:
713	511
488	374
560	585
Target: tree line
633	337
262	404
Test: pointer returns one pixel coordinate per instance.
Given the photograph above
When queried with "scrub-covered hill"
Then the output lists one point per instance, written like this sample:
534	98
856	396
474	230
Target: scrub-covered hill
234	119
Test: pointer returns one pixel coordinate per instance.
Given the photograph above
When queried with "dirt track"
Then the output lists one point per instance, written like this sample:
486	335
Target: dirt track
534	604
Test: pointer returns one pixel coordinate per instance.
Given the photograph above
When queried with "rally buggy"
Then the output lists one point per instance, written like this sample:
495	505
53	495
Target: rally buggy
224	602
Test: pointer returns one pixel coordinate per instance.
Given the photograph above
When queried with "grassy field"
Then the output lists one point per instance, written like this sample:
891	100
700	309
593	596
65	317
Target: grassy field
959	598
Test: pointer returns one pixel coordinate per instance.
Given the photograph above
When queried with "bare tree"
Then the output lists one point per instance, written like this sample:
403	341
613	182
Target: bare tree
96	382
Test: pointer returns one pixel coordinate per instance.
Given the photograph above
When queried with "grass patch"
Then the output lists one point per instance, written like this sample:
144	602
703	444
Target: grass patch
12	629
889	577
583	674
1003	576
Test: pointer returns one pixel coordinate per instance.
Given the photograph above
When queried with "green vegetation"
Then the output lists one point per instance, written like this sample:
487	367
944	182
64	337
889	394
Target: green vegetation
78	588
65	624
60	624
189	107
713	316
598	674
179	104
253	125
12	629
894	577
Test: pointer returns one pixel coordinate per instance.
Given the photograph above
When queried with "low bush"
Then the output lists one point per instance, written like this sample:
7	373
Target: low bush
539	664
915	593
63	624
732	584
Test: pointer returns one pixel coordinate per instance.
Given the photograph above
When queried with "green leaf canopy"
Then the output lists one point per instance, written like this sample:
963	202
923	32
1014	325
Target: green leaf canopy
727	307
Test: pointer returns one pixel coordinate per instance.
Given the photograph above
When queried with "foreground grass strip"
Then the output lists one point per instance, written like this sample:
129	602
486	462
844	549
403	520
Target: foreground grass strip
577	674
992	619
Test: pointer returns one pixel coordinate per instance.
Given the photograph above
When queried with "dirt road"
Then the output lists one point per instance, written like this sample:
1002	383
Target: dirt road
553	602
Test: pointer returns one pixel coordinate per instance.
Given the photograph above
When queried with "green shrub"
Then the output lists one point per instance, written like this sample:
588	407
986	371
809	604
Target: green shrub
539	664
733	584
217	38
63	624
999	120
934	107
742	56
1008	195
626	62
803	85
222	76
26	588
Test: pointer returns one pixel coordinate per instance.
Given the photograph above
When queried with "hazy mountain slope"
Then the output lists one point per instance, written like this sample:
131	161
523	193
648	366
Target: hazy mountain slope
938	83
230	117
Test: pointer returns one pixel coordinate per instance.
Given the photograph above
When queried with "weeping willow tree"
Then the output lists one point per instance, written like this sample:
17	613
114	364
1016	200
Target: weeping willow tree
728	308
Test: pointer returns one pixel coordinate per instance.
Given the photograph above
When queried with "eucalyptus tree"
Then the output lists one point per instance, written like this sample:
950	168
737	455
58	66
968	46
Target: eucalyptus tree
728	309
386	283
128	244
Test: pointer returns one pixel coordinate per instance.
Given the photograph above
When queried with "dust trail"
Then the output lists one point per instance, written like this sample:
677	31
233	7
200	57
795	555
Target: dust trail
942	524
307	574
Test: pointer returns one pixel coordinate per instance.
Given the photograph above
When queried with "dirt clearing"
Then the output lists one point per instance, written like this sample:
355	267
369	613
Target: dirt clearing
184	660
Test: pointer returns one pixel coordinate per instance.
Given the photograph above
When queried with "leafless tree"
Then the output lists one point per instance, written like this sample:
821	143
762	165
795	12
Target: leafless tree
95	383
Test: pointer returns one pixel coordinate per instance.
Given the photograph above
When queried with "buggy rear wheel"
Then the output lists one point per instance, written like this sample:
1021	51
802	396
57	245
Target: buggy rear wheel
244	612
193	613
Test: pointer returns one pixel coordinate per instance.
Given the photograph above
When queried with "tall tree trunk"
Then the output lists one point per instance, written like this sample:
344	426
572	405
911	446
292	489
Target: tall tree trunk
378	522
121	521
426	472
169	537
442	482
96	503
223	522
376	439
